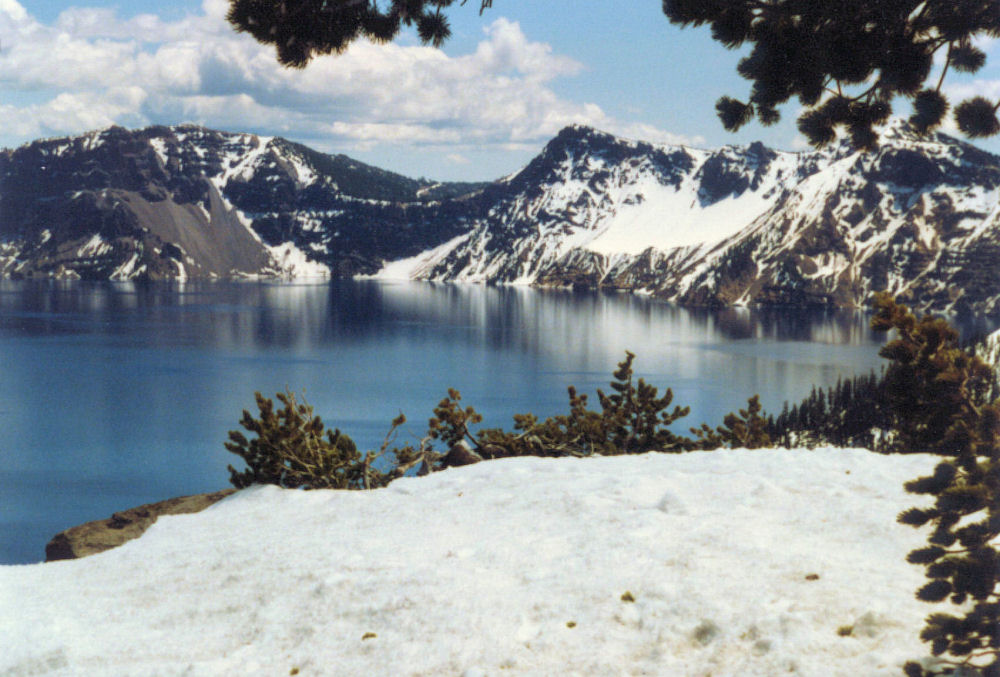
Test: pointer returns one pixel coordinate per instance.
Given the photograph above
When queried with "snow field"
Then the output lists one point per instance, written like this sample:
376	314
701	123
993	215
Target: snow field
667	217
512	567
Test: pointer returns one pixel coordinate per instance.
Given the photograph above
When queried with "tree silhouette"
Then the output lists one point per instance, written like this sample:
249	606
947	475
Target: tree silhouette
302	29
846	61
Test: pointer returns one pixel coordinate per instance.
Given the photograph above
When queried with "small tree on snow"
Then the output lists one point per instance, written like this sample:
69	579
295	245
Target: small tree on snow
936	389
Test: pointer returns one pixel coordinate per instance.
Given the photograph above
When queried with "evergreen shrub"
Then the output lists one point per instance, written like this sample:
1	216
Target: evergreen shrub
293	449
634	418
748	428
938	392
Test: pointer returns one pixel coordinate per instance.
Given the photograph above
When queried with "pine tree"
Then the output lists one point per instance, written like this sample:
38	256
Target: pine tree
847	60
932	384
634	418
856	414
303	29
292	448
747	429
937	389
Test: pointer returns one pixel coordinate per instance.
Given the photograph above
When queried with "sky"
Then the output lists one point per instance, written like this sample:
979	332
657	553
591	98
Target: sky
479	109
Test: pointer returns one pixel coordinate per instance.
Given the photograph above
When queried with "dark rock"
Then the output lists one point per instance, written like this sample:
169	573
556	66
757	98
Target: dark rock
109	203
94	537
493	451
460	454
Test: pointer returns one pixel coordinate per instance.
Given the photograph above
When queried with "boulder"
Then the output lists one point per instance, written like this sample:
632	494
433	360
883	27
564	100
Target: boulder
460	454
94	537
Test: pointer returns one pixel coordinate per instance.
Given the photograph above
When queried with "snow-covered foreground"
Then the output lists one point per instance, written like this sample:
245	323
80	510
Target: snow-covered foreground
514	567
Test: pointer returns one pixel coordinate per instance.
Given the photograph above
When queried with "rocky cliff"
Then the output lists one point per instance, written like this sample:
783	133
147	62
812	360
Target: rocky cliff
187	202
739	225
742	225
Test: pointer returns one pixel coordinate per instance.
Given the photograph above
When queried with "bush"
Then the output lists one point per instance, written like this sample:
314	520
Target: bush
293	449
748	428
633	419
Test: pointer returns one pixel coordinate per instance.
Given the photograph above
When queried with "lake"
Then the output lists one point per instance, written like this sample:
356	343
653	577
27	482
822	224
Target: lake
114	395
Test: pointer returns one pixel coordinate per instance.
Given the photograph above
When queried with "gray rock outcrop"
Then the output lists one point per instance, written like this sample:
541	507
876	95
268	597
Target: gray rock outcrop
98	536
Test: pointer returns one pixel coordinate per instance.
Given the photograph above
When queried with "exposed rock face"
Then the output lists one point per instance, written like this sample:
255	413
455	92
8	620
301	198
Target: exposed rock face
744	225
94	537
187	202
735	226
460	454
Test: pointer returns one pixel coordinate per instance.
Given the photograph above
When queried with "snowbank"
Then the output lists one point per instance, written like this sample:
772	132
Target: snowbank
514	567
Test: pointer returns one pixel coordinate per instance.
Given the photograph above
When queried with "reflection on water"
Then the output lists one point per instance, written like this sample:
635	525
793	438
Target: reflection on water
113	395
302	316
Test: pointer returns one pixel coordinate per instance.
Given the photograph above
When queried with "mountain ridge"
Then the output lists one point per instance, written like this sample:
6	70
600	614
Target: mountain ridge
738	225
801	243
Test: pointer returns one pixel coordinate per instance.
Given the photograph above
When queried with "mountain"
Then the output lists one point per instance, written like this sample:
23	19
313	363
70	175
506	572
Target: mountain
742	225
187	202
919	217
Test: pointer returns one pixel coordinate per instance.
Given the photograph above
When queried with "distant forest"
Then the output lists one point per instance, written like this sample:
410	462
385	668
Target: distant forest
852	413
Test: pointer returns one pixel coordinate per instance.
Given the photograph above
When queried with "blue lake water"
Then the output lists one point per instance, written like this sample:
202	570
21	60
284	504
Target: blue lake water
114	395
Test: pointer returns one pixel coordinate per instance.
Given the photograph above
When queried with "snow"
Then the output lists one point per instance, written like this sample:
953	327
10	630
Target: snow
94	140
9	253
181	275
739	562
304	174
416	267
669	217
292	262
160	146
127	270
989	350
242	165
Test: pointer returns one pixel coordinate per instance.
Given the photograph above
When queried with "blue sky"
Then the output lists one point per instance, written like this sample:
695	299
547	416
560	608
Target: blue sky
479	109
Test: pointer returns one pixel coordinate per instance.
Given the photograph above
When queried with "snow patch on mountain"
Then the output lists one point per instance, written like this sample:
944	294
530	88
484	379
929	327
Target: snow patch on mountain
417	267
291	262
665	217
745	225
919	217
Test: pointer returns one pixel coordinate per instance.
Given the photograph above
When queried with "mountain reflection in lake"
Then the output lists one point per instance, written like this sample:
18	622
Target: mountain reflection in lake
113	395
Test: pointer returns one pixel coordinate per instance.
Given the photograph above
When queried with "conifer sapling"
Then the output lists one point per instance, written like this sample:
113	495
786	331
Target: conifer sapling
938	392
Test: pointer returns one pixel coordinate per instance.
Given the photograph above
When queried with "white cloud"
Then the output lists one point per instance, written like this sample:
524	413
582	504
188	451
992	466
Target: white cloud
97	69
89	22
507	48
79	111
961	91
12	11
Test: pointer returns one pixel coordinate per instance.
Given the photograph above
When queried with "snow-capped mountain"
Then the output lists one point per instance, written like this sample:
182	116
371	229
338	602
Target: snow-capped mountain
187	202
920	217
742	225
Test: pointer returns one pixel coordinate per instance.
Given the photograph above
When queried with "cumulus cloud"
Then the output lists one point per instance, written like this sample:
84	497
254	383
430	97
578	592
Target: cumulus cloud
90	68
980	87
